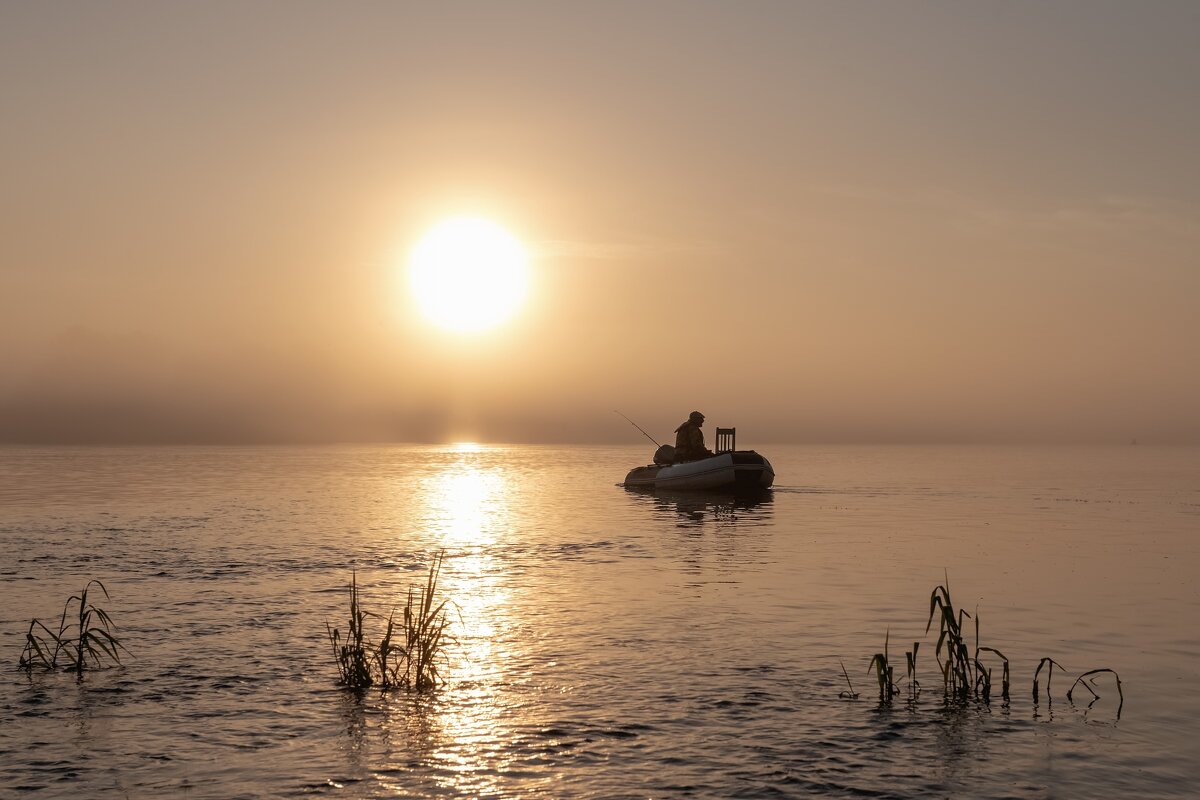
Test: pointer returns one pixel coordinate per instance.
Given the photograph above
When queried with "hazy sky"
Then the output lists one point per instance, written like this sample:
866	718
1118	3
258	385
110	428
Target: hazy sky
818	221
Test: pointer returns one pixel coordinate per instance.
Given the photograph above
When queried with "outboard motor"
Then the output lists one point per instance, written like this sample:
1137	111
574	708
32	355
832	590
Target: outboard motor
664	454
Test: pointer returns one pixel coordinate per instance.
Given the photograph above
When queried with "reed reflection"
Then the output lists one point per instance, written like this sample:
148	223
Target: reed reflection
354	718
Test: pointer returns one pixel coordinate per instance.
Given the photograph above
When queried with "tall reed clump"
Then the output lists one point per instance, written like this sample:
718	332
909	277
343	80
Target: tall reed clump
968	673
84	638
424	631
964	675
407	656
354	654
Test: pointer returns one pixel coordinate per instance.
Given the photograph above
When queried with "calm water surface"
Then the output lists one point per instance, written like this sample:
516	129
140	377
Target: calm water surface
610	644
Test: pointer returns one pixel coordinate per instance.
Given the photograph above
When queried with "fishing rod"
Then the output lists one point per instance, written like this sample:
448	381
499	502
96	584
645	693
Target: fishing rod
639	427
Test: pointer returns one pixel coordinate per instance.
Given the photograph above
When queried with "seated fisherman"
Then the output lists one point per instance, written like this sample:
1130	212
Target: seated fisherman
689	439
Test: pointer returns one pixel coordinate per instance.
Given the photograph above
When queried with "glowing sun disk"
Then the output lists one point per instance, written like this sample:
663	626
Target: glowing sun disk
468	274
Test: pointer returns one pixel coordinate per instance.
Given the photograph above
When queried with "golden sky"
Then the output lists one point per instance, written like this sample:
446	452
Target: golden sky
818	221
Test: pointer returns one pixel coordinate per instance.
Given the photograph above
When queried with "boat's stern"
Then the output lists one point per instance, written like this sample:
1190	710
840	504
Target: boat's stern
751	470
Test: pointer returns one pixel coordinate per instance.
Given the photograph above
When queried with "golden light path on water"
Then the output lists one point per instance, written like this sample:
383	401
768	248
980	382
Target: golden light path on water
463	735
465	502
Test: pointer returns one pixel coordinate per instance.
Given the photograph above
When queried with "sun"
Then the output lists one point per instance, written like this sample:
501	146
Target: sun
468	274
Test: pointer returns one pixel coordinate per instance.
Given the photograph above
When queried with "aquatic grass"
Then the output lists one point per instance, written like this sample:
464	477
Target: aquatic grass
910	658
406	656
389	657
964	676
968	676
425	631
851	694
1090	685
84	638
958	677
884	672
986	673
353	656
1085	679
1049	664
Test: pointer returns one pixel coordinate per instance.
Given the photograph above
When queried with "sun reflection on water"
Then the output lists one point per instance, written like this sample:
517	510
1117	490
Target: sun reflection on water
467	728
466	502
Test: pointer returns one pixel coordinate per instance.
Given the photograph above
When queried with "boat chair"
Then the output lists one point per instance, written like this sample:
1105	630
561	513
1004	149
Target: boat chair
726	440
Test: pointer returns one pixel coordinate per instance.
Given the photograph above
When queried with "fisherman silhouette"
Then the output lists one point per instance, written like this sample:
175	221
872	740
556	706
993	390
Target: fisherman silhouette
689	439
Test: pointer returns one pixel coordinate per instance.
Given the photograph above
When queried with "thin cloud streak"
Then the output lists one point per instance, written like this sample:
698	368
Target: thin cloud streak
568	250
1132	214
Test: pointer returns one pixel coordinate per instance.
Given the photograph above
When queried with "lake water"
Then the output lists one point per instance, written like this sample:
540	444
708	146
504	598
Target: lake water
609	644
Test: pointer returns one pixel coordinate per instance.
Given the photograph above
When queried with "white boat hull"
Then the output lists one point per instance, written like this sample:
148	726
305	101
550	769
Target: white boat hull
740	470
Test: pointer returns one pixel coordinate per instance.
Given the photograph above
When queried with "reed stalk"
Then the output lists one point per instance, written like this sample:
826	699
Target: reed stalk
851	694
1005	675
1050	664
84	638
1083	680
910	658
884	672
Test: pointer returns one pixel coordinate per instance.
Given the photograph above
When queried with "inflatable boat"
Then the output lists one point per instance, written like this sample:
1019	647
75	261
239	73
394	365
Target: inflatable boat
732	471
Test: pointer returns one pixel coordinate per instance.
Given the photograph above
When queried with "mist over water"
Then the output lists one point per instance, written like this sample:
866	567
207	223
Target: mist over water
608	643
